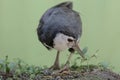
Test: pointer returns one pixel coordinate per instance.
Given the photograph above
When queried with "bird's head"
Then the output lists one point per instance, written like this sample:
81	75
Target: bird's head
62	42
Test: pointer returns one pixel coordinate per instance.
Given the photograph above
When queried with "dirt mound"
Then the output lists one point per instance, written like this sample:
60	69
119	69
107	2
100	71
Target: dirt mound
79	73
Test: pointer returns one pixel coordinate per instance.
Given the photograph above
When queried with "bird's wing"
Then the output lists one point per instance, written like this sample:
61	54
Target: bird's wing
60	18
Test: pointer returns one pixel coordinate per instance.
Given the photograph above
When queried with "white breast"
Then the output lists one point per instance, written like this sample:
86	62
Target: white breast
61	42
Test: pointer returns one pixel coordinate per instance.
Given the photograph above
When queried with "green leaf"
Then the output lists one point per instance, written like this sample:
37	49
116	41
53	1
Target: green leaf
85	49
12	65
104	64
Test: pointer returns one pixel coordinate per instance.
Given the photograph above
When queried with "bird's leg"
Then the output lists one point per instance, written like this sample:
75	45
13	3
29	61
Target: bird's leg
67	64
56	63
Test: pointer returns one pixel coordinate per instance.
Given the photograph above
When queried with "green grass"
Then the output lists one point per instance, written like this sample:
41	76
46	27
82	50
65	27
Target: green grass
18	69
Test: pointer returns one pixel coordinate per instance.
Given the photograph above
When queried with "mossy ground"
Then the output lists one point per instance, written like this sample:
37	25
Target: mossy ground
79	73
19	70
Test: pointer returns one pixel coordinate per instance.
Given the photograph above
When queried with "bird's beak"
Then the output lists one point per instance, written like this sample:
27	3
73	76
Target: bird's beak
77	48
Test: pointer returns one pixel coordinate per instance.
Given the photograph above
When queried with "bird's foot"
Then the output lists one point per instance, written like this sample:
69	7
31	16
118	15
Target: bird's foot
54	67
65	69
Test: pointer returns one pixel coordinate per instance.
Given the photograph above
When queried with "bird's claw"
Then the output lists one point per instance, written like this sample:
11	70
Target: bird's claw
65	68
54	67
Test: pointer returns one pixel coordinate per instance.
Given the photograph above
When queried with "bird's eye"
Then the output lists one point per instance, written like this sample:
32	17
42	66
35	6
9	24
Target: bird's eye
70	40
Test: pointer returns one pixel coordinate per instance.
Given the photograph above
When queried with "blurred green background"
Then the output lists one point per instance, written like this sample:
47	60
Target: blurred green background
101	30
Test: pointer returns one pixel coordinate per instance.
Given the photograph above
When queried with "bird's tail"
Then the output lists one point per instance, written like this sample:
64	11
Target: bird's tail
67	4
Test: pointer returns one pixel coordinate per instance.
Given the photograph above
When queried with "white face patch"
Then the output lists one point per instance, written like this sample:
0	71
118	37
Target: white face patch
61	42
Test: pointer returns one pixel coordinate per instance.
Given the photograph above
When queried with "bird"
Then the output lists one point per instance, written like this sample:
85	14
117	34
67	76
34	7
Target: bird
60	28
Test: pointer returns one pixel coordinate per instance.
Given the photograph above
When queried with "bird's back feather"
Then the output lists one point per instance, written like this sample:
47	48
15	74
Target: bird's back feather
59	19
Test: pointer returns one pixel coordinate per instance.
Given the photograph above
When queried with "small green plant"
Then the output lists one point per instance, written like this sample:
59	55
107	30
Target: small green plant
17	69
4	65
84	63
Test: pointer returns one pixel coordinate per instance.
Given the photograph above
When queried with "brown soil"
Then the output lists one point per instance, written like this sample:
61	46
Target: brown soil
92	74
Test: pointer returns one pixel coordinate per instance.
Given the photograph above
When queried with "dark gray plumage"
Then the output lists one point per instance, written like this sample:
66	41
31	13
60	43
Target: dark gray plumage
64	20
59	19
